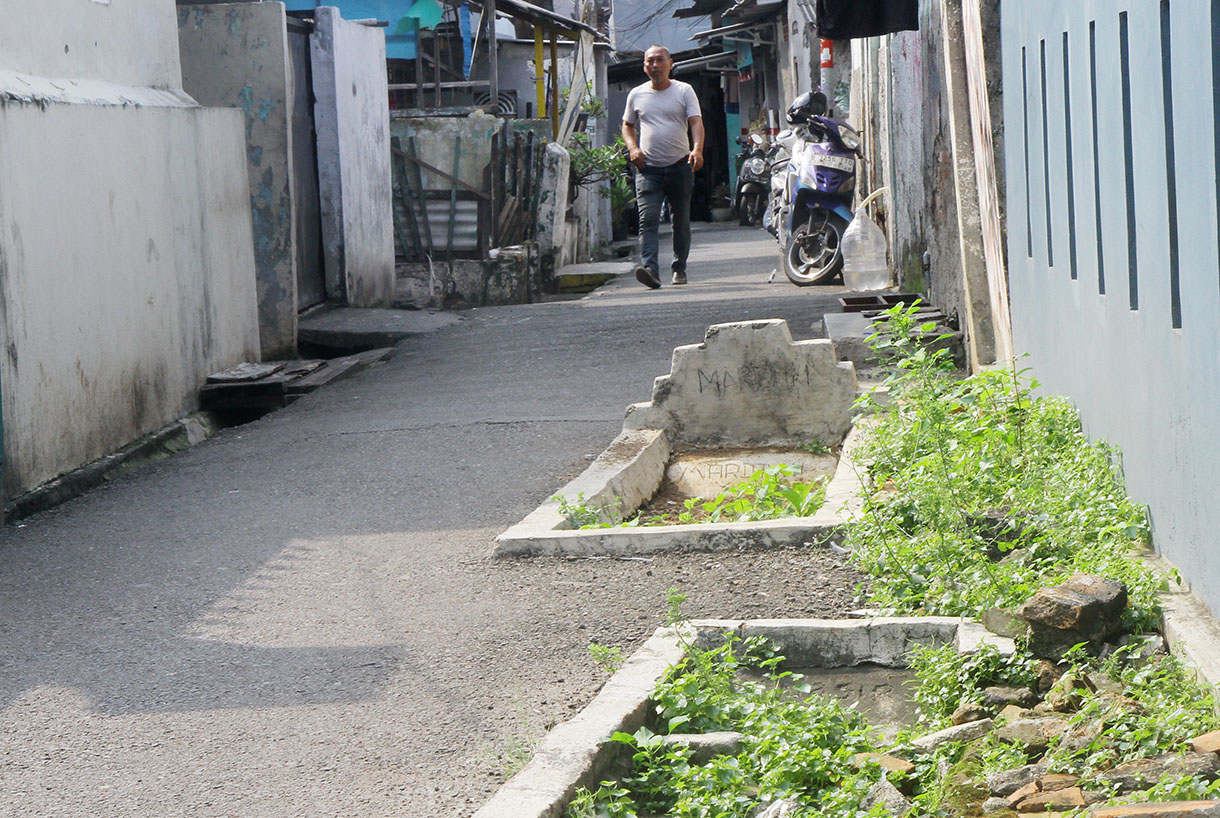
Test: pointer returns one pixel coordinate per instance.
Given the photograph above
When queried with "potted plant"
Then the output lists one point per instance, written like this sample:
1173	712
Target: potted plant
722	209
622	197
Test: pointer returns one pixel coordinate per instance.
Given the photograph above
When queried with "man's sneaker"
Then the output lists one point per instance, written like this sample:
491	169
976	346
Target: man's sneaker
679	277
647	277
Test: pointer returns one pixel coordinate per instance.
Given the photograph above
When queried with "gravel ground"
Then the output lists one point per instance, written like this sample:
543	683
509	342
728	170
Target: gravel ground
300	617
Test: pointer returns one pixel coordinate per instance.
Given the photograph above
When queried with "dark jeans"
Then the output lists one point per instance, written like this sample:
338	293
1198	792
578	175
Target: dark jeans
652	187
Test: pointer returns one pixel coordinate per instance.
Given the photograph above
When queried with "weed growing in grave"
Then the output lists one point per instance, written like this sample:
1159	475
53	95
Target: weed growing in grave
768	494
816	446
792	748
982	493
674	600
1132	707
582	515
608	657
607	801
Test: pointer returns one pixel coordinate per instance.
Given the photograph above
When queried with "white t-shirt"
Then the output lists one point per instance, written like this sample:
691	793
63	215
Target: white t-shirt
660	123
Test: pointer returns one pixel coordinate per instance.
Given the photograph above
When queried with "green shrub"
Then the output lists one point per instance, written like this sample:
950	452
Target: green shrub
946	452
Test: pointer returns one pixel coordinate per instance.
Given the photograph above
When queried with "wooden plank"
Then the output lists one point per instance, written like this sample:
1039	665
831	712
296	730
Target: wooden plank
339	368
425	226
333	370
457	162
554	86
244	372
529	179
265	393
492	172
505	221
514	169
297	369
436	65
414	86
420	102
411	244
461	195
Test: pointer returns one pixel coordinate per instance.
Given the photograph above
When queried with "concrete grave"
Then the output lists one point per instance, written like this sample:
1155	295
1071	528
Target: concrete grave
579	753
629	472
747	385
750	384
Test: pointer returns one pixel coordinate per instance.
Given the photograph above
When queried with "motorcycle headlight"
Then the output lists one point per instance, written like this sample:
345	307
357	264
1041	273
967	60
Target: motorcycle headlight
757	166
849	137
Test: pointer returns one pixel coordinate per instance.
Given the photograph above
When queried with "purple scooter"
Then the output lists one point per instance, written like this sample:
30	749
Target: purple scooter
818	190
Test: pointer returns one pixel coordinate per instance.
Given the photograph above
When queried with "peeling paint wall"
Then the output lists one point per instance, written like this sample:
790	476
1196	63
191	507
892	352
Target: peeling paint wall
553	189
236	56
436	142
899	87
353	126
126	262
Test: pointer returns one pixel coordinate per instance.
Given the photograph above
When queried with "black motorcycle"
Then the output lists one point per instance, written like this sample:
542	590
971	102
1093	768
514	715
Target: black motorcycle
753	181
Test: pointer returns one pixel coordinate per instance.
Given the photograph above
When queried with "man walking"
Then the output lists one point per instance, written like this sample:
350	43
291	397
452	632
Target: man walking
655	125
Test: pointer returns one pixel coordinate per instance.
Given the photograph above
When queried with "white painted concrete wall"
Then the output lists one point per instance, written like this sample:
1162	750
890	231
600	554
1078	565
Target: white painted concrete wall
236	55
1145	385
126	271
353	131
126	262
92	42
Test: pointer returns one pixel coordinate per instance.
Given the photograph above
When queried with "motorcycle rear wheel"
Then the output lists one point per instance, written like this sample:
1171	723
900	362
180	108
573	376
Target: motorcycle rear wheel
813	253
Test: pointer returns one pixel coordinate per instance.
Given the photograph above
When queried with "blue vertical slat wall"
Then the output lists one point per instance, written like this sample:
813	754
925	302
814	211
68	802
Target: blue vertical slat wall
1113	246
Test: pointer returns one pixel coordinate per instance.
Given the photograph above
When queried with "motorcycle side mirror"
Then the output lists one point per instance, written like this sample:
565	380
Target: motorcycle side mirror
756	139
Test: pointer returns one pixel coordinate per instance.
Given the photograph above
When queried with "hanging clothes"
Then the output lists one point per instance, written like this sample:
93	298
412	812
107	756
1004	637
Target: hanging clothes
848	19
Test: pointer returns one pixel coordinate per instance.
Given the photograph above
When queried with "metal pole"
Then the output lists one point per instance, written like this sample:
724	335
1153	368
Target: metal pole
493	53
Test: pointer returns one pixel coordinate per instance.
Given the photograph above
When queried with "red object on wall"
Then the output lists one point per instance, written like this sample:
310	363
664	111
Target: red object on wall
828	53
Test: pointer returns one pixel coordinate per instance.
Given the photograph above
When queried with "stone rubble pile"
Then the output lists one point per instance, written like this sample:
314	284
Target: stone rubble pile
1084	609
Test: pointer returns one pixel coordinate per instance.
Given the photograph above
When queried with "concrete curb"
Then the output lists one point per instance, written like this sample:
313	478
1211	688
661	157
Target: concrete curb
629	472
1191	632
578	752
177	436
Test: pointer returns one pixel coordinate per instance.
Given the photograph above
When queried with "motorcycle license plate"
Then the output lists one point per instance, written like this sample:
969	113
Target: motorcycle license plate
844	163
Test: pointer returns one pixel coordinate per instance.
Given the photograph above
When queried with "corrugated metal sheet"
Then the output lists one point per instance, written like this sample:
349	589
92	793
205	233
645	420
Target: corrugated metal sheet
465	224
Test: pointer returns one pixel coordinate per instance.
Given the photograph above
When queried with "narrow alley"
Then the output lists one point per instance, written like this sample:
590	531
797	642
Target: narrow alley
300	616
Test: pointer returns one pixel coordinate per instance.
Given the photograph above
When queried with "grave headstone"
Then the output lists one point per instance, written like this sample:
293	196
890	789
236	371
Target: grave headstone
750	384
